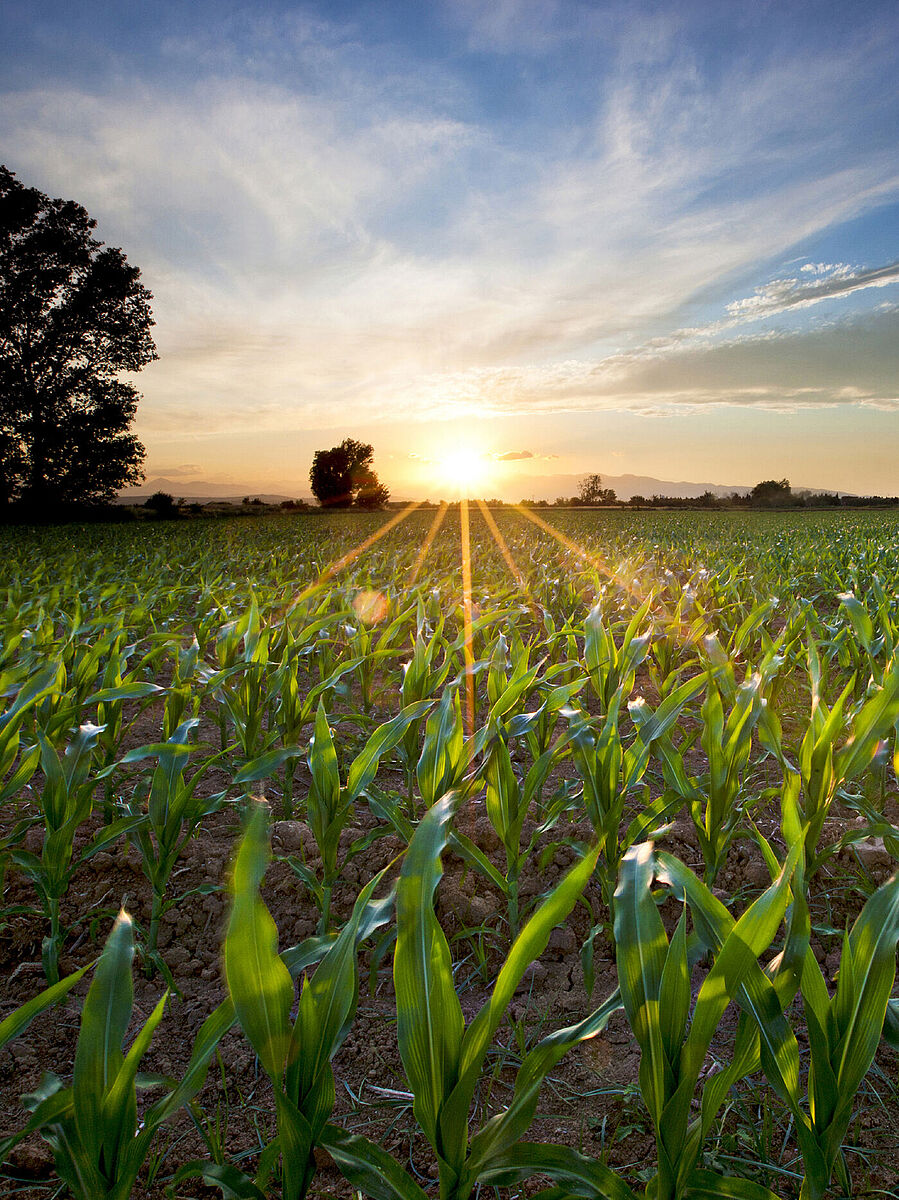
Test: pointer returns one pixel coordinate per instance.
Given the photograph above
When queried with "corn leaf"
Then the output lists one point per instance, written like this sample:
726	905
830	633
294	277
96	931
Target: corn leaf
258	982
429	1016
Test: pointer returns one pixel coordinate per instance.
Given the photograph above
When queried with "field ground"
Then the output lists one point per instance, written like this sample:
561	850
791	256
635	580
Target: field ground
531	648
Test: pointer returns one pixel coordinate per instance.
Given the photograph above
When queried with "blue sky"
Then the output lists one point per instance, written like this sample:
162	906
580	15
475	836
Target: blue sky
625	237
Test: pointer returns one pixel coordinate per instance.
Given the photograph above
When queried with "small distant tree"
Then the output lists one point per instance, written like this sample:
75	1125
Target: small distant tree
163	504
591	490
771	493
344	475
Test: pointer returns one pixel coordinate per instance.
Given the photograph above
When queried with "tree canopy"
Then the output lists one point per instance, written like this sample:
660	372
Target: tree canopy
591	491
73	315
771	493
343	476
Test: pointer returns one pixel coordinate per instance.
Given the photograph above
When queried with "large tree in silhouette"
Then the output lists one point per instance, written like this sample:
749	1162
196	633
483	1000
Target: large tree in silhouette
343	476
73	315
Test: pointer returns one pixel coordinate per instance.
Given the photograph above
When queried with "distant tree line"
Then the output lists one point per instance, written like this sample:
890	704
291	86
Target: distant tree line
768	494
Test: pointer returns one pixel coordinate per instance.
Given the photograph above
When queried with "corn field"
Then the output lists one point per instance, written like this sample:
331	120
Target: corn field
457	853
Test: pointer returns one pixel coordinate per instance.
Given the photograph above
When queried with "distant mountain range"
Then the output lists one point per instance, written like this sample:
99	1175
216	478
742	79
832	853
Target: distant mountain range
202	491
523	487
548	487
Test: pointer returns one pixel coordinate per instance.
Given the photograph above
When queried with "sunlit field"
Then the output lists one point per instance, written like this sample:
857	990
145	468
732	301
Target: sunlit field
581	828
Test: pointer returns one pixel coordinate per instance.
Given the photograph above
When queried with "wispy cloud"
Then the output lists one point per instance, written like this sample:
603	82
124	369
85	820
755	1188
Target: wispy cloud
854	361
831	281
513	455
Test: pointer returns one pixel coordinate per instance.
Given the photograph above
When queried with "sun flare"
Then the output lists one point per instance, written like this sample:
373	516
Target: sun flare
465	469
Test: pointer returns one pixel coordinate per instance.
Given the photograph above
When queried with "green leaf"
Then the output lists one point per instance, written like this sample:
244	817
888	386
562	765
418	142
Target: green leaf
119	1097
368	1167
429	1016
642	950
325	1012
501	1133
528	946
674	991
296	1140
234	1184
104	1022
706	1185
266	764
365	765
19	1020
136	690
581	1176
258	982
213	1029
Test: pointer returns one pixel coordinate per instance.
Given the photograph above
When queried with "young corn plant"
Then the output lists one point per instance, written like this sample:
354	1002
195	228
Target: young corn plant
330	802
422	679
611	668
296	707
370	648
99	1142
612	771
173	811
844	1030
66	802
182	700
717	800
654	979
18	760
538	727
824	769
508	689
443	1059
868	645
674	635
296	1056
118	685
508	801
654	985
446	757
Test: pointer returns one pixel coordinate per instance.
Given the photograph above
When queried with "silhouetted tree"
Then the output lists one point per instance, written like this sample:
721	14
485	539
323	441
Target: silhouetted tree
73	315
591	490
163	504
371	492
343	476
771	492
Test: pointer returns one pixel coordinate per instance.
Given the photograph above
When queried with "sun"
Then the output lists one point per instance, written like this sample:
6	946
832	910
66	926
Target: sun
465	469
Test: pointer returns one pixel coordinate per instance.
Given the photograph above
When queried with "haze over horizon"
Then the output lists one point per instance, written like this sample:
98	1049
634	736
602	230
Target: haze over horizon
541	237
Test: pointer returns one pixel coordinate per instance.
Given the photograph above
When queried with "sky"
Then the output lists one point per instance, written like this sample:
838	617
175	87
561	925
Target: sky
500	241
